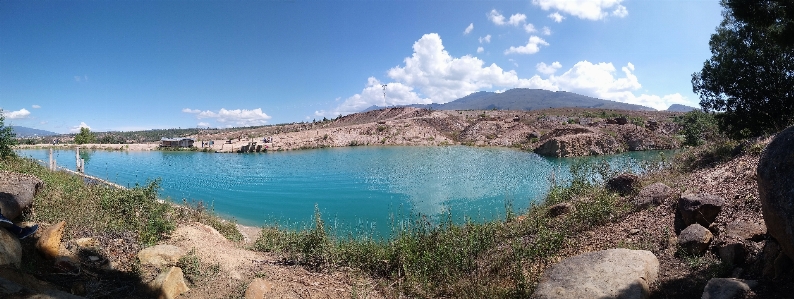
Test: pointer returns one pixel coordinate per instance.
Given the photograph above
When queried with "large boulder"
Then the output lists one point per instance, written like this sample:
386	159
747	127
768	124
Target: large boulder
10	249
16	192
654	194
612	273
624	184
695	239
699	208
776	189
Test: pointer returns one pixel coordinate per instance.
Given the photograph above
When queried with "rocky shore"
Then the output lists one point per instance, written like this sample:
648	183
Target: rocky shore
551	132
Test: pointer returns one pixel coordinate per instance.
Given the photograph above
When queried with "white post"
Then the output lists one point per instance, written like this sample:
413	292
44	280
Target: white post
52	163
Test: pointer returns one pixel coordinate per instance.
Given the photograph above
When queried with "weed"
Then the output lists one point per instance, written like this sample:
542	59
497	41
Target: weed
194	270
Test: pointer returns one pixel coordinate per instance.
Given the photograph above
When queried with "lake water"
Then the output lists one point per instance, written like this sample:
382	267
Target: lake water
355	188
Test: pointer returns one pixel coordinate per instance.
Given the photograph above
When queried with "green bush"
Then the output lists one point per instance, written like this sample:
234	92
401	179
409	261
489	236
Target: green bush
697	127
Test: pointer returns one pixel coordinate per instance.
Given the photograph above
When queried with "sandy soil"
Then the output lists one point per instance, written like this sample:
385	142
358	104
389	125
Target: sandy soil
239	266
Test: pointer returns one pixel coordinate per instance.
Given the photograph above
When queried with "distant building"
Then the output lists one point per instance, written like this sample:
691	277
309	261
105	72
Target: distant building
176	142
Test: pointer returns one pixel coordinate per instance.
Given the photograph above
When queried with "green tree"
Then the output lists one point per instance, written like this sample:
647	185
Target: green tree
697	127
85	136
7	138
750	75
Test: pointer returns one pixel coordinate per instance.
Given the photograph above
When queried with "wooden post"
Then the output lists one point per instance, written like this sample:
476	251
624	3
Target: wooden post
52	163
80	162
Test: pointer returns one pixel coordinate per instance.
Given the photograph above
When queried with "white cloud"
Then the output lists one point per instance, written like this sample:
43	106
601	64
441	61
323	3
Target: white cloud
480	49
546	30
236	117
432	75
203	124
76	129
585	9
80	78
517	19
557	17
35	106
469	29
496	17
500	20
599	80
532	46
486	39
545	69
529	28
21	113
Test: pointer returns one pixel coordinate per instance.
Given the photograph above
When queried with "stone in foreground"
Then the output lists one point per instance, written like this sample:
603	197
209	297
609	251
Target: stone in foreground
652	195
10	249
160	255
258	289
16	192
695	239
624	184
699	208
727	288
50	241
776	189
169	284
612	273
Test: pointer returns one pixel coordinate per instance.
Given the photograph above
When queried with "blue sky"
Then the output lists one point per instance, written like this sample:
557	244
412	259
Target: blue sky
132	65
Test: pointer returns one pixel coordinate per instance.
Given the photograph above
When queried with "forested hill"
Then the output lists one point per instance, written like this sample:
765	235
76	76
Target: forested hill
526	99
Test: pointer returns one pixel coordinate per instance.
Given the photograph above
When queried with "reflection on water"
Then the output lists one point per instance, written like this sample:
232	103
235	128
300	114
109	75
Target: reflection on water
365	187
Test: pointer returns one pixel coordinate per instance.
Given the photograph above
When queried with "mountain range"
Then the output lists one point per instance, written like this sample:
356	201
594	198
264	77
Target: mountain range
31	132
532	99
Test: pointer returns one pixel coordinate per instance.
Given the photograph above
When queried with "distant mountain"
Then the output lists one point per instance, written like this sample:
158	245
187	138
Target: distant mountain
681	108
30	132
525	99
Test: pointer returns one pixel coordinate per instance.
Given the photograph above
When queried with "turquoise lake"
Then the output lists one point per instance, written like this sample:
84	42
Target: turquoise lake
355	188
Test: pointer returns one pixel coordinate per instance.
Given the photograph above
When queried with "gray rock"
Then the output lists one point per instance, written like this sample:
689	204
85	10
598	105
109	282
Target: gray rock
654	194
160	255
695	239
16	192
613	273
624	184
733	252
745	230
727	288
560	209
776	189
10	249
768	255
699	208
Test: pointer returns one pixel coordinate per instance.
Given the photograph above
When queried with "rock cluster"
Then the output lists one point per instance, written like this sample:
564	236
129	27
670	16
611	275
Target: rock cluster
575	141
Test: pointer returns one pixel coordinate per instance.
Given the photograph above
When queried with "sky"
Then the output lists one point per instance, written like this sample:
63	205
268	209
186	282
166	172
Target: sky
137	65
